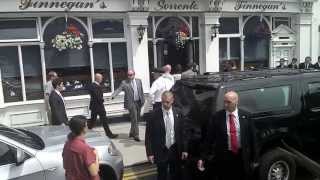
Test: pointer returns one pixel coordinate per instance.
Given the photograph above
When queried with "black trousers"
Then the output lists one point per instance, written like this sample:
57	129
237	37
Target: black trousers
229	166
104	120
171	167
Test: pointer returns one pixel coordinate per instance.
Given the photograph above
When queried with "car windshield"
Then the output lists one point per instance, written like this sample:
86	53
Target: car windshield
22	136
195	100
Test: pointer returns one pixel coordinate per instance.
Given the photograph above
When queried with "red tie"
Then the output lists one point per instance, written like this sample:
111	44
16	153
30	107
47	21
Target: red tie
233	134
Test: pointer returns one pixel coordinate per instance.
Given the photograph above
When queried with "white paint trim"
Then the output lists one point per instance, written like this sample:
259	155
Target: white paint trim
23	83
111	65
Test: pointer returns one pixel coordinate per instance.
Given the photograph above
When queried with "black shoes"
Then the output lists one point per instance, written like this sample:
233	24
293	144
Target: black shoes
137	139
112	136
130	136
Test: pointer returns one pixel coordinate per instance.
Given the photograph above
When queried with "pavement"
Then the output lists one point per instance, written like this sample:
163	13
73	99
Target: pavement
133	152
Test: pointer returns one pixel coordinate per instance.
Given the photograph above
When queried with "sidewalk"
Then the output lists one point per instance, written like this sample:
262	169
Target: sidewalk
133	152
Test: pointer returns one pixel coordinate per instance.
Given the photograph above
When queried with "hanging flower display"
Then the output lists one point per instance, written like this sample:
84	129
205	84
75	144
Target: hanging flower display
181	37
69	39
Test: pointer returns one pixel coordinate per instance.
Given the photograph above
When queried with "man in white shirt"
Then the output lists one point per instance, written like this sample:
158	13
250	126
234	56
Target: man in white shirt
57	105
163	83
48	89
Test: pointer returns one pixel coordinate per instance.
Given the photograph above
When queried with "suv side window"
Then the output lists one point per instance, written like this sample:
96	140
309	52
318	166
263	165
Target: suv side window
257	100
7	154
313	97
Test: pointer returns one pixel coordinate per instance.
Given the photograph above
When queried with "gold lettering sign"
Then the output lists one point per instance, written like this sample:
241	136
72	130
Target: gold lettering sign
67	4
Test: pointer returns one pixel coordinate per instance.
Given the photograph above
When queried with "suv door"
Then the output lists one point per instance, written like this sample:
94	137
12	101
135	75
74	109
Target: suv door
29	169
309	124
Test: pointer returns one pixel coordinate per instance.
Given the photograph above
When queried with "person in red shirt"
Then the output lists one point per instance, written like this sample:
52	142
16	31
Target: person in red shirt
80	161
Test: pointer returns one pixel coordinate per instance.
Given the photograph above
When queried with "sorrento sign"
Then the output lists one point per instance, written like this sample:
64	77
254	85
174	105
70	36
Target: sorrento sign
163	5
259	5
64	4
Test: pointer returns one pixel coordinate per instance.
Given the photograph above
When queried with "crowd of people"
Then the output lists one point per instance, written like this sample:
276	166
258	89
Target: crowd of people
166	137
307	64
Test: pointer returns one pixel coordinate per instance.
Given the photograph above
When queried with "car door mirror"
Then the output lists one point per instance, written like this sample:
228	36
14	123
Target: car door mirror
20	156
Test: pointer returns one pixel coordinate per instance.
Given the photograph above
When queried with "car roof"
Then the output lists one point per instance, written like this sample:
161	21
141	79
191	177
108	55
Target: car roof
217	79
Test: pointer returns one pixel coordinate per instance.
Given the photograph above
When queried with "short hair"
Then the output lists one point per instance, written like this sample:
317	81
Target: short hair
52	74
56	82
167	93
77	124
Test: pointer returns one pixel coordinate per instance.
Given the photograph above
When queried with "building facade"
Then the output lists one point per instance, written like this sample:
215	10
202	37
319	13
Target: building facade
78	38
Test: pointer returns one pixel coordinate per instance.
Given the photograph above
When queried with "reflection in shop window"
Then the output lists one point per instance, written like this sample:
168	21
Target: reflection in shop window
10	74
229	25
102	65
72	65
119	62
18	29
107	28
32	72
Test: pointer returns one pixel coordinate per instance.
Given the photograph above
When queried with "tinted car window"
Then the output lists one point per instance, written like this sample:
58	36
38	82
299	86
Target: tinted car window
257	100
313	95
7	154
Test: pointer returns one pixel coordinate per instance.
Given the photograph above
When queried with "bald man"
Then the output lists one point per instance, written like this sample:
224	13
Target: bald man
229	140
97	107
133	101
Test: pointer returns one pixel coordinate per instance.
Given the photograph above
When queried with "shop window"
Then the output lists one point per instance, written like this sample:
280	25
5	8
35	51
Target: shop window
223	49
313	96
72	65
229	54
15	29
102	65
32	72
235	53
119	62
107	28
150	27
277	21
195	26
229	25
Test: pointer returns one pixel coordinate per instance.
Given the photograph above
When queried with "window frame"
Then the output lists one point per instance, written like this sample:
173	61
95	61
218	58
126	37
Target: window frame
101	40
23	40
307	96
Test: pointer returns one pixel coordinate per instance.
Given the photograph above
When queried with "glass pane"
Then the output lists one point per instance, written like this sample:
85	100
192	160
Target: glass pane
119	62
150	27
107	28
265	99
73	65
10	73
229	25
313	95
101	64
223	49
235	53
18	29
195	26
32	72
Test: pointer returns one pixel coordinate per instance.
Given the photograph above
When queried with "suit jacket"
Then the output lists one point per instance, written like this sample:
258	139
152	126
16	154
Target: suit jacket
128	92
303	66
293	66
155	140
58	109
217	138
316	65
96	100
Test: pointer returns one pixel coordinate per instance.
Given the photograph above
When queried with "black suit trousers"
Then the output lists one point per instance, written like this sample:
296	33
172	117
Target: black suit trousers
229	166
103	120
171	167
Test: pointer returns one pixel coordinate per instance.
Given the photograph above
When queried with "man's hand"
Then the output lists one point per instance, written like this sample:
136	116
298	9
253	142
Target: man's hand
184	155
151	159
200	165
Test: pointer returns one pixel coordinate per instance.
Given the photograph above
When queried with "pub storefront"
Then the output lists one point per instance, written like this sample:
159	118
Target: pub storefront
77	38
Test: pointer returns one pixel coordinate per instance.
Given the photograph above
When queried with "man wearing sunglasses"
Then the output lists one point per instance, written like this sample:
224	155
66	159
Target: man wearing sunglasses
133	101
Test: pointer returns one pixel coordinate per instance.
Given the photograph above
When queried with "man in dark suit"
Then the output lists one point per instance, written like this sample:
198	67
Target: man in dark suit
57	106
166	140
317	64
306	64
294	64
133	101
281	63
97	106
229	141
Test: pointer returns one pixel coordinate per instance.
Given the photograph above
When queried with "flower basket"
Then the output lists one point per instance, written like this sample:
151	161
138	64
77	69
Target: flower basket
181	38
69	39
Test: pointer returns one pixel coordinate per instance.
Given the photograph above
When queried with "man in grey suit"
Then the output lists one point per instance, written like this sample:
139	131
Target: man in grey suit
133	101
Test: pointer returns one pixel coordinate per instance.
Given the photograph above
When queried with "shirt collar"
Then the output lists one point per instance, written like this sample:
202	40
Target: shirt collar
96	83
167	111
71	136
58	92
235	112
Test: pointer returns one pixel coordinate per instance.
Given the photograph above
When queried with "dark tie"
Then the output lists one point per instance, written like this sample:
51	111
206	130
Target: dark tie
233	134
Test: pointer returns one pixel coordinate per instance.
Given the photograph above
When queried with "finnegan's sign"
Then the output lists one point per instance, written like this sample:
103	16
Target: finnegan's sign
259	5
65	4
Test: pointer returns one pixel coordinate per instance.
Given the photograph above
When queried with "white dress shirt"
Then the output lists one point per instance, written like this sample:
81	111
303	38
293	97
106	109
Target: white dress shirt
169	126
135	90
237	123
163	83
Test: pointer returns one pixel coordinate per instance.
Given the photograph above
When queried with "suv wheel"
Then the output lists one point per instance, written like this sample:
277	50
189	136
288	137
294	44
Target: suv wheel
277	165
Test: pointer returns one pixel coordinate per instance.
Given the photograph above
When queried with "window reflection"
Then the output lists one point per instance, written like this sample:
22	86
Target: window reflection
107	28
119	62
102	65
18	29
32	72
10	74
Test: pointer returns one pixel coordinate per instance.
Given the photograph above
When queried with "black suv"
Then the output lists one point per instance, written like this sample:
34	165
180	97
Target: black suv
283	105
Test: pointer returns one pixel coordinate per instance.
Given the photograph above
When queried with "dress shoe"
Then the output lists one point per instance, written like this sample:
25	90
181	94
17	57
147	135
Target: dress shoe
137	139
130	135
112	136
